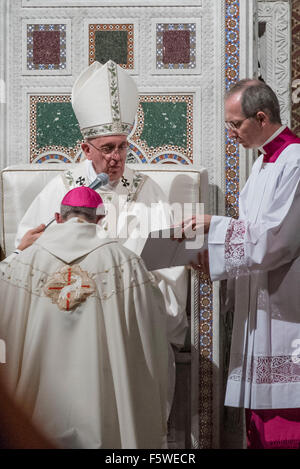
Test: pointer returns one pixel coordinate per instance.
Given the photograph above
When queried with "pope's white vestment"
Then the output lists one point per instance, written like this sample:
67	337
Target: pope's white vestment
139	206
86	348
260	251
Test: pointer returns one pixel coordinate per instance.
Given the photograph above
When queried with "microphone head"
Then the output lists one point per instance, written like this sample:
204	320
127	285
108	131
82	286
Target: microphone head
103	177
101	180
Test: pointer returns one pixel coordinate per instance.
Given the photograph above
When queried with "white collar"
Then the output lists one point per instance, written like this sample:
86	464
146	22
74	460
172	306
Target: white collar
83	237
274	135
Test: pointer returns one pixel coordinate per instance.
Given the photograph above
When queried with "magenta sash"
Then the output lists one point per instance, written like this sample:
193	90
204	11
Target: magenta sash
273	428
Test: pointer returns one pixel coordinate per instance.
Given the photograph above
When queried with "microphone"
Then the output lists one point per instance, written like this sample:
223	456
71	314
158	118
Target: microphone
101	180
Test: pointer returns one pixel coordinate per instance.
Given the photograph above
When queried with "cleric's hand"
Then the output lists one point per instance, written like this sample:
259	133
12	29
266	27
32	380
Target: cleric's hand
196	223
31	236
203	262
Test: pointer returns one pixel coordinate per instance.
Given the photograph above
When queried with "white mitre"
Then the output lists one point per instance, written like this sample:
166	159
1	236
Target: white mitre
105	100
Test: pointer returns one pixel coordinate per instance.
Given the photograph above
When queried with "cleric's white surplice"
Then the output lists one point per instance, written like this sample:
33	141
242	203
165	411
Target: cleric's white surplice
94	376
261	251
136	200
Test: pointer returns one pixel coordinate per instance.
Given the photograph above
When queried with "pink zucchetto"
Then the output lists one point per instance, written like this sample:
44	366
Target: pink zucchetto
84	197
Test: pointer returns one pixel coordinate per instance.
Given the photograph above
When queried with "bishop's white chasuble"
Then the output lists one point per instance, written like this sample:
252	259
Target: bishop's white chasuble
85	333
135	206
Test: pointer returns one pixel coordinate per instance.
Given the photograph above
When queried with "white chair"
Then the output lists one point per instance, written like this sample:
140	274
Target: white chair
21	183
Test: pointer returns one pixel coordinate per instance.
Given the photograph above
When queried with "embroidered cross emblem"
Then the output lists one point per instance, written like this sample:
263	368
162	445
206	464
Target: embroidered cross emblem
80	181
125	181
69	287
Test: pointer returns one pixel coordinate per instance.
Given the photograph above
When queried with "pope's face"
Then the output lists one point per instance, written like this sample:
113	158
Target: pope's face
108	154
247	131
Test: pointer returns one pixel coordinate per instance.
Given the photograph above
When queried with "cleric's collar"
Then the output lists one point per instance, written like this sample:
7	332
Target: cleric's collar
275	134
83	237
277	144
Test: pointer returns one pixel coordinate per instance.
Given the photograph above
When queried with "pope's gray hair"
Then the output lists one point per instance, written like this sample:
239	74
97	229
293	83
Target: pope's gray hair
257	96
88	213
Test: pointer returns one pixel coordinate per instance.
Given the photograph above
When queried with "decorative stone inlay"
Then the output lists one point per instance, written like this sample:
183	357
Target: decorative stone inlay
231	77
46	46
205	360
274	51
164	124
164	128
176	45
53	129
134	155
112	42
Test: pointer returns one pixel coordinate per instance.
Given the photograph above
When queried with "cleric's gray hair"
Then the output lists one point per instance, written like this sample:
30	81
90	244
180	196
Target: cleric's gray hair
88	213
257	96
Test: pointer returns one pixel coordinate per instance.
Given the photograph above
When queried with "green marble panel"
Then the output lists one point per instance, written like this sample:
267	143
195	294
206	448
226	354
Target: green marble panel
165	124
111	45
56	124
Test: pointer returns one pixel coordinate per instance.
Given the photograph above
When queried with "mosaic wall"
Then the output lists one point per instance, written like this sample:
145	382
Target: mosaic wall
54	130
231	76
205	361
46	47
112	42
175	45
164	130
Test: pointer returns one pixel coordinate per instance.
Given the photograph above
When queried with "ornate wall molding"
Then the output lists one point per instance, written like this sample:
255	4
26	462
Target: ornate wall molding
248	68
295	26
4	28
274	47
97	3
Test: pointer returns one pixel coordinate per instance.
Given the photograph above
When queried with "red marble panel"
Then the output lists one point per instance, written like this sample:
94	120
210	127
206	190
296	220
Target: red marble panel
46	47
176	47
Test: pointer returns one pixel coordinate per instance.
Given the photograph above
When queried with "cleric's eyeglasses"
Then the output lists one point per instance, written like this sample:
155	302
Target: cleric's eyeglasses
110	150
230	125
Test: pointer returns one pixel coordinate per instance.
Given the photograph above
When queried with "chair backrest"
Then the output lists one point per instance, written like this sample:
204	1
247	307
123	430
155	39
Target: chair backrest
20	184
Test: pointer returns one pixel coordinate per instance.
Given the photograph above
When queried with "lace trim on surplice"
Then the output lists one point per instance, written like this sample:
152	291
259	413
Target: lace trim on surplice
268	370
235	256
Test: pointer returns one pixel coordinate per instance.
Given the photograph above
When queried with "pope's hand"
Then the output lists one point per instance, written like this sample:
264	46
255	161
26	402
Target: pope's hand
31	236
